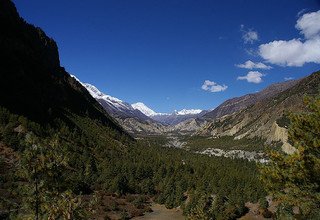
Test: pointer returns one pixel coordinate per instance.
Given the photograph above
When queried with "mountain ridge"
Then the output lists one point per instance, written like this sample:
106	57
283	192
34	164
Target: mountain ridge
42	89
262	119
238	103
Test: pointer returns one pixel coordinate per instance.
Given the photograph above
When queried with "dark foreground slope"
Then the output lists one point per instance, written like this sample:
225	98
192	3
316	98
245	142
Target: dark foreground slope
53	134
33	83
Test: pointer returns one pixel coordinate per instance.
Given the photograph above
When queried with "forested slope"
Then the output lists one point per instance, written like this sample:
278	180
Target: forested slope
57	142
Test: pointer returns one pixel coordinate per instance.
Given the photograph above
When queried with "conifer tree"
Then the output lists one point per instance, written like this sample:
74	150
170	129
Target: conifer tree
294	179
44	187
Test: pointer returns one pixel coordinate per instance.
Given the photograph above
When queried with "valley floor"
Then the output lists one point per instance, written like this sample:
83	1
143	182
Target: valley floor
160	212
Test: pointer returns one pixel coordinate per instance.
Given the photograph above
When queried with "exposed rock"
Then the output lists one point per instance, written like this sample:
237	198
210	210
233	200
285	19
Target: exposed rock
281	134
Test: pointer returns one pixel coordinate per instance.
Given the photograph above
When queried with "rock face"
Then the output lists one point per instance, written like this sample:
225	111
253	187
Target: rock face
281	134
259	119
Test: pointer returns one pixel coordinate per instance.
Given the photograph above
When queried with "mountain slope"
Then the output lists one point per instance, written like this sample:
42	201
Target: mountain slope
144	109
265	118
236	104
132	120
114	106
33	82
178	117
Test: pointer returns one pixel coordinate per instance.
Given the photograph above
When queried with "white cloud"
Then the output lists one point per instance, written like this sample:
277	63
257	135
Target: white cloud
309	24
252	77
213	87
296	52
288	78
291	53
251	65
249	35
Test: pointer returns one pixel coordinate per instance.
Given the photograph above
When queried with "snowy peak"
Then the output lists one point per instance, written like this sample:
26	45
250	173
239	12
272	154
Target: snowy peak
119	108
95	93
188	112
144	109
149	112
115	103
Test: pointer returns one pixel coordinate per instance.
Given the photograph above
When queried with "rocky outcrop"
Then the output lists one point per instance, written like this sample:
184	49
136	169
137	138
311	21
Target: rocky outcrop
281	134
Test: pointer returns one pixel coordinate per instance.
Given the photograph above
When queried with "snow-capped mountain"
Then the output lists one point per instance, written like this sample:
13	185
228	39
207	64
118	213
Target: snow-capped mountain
146	110
115	102
132	120
168	118
143	108
138	117
114	106
188	112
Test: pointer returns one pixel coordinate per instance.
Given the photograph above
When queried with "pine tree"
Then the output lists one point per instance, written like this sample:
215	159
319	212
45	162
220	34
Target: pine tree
44	189
294	179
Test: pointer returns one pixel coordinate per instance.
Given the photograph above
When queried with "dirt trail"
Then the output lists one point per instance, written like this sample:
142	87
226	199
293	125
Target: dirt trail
160	212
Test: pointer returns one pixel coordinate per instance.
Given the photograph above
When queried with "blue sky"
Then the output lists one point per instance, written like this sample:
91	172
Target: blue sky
173	54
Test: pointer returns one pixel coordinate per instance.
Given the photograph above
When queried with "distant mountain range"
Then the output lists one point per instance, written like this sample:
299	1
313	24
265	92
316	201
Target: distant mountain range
149	112
245	116
139	118
115	107
169	118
